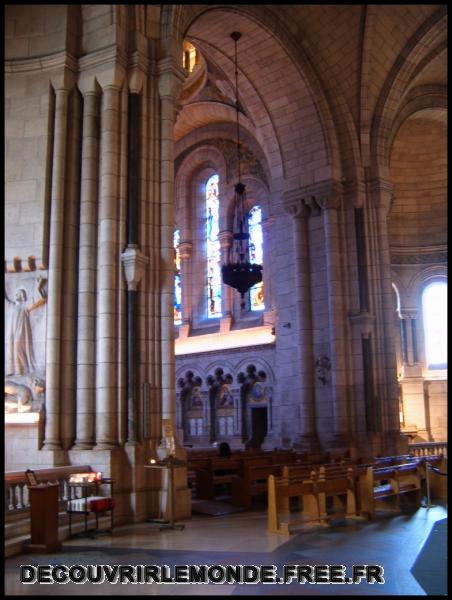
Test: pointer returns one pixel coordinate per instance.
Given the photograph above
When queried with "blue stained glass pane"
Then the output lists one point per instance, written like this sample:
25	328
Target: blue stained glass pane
434	310
213	248
177	280
256	255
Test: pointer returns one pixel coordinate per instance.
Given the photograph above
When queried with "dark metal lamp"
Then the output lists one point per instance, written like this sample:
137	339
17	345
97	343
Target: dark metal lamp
241	274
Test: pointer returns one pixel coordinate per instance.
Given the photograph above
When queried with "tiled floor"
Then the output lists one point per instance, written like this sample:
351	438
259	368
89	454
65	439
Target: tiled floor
393	542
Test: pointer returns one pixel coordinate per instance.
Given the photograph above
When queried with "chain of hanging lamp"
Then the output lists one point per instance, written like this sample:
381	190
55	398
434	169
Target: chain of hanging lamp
240	275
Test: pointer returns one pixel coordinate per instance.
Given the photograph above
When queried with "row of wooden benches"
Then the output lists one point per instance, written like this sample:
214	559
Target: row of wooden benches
206	473
245	474
352	491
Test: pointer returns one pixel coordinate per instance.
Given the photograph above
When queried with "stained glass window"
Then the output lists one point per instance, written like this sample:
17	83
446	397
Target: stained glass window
434	311
213	248
256	255
177	280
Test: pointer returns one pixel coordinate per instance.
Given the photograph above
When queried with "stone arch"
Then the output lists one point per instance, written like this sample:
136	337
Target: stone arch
302	89
202	158
422	48
256	193
399	289
226	133
422	279
419	99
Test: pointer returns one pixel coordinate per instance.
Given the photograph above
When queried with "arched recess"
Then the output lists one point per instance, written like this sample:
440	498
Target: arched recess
298	87
399	289
224	137
421	49
417	224
420	98
424	278
204	157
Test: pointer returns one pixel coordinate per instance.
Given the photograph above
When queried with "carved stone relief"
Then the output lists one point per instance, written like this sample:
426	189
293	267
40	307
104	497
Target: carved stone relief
25	319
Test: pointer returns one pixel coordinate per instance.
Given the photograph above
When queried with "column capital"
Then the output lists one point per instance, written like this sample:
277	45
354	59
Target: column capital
63	80
324	194
136	75
185	250
364	321
294	204
112	76
134	263
382	192
409	313
171	78
225	238
267	222
88	85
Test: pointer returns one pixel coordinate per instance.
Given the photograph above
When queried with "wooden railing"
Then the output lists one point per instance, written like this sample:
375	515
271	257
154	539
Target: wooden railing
16	490
428	448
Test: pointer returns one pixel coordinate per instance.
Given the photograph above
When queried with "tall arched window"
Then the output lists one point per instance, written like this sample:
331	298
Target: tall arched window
256	255
213	248
177	280
434	312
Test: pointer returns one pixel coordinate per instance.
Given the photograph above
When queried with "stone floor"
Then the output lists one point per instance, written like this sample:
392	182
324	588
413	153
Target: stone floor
396	542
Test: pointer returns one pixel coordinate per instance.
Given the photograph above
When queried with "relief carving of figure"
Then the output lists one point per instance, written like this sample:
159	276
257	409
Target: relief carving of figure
23	397
20	356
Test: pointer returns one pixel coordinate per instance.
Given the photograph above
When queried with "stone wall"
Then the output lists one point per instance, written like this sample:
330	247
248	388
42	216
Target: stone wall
418	170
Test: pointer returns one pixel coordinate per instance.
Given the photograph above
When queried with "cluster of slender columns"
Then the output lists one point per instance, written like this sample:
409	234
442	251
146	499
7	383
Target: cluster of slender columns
328	197
86	346
295	206
330	209
55	280
170	80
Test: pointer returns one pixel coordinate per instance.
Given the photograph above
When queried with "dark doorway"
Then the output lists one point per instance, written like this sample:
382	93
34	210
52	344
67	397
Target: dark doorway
258	426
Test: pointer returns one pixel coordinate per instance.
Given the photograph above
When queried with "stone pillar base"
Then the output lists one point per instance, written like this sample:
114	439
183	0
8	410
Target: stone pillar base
339	441
184	330
271	441
308	443
225	324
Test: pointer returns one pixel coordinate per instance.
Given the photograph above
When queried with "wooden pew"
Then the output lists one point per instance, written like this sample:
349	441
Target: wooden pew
312	490
281	488
213	472
251	482
300	472
339	485
388	484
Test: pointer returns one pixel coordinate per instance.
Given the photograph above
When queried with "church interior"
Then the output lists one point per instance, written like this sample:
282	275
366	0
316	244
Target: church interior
225	331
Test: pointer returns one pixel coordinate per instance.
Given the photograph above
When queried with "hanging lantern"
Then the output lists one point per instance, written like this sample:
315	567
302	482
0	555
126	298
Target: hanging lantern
238	272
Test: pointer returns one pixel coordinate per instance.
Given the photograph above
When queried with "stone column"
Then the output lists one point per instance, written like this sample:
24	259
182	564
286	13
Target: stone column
107	268
269	313
134	263
185	249
415	411
87	273
409	344
295	206
52	440
330	203
382	193
171	77
68	371
226	241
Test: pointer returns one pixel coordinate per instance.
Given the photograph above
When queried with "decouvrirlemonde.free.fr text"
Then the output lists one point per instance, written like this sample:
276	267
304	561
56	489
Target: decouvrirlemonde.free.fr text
217	574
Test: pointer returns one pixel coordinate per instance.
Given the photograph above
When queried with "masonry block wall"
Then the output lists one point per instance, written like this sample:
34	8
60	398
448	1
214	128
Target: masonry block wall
342	109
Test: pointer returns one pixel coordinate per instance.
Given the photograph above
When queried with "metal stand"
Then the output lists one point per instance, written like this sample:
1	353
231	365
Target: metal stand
87	487
169	463
427	482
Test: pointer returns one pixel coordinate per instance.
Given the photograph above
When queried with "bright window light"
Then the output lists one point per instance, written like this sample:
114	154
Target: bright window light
434	310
